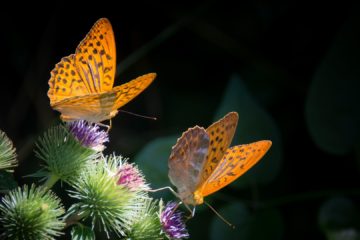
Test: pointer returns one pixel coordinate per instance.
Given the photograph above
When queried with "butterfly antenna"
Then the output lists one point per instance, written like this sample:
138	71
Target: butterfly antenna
138	115
218	214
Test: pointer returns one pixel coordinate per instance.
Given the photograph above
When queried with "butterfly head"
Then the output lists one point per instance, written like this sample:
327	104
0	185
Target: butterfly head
113	113
194	199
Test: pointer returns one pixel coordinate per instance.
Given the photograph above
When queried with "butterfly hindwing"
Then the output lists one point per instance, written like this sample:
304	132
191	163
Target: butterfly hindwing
93	107
127	91
65	82
187	159
236	161
221	134
96	57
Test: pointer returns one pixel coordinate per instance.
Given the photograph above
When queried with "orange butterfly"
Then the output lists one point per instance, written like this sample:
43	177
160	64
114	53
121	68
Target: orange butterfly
81	85
202	163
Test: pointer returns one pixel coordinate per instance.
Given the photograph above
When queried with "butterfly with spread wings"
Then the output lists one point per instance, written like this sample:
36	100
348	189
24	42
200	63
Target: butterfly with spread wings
202	163
81	85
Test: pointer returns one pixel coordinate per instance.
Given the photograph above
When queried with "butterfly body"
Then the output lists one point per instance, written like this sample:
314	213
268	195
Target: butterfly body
202	163
81	84
192	198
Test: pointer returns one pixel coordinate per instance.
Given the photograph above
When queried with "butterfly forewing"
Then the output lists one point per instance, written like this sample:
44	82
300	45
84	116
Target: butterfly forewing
127	91
96	57
235	162
187	159
221	134
65	82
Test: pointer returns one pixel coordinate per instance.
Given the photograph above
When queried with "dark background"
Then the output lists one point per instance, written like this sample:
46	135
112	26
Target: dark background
294	65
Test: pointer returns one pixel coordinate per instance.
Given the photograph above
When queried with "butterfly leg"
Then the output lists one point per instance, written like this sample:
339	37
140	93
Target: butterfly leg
192	212
176	207
110	125
106	126
176	195
164	188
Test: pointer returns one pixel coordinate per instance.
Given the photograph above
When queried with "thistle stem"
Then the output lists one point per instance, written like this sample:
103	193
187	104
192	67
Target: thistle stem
73	219
52	179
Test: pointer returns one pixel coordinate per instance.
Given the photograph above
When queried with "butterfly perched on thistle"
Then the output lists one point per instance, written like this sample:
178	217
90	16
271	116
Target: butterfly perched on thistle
202	163
81	84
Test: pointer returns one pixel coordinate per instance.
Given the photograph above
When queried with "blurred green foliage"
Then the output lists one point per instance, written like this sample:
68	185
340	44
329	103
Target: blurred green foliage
252	225
339	219
254	124
332	107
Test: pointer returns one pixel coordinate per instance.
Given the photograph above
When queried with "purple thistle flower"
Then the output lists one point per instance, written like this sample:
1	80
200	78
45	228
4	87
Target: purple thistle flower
89	135
172	223
130	177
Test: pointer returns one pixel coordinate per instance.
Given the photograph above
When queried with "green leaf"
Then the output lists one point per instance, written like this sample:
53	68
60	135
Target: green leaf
347	234
81	232
7	181
332	107
254	124
153	161
261	224
41	173
338	214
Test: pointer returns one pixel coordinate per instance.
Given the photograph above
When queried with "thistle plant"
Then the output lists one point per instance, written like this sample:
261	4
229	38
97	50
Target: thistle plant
7	153
89	135
109	194
172	223
109	206
146	225
64	155
31	213
131	177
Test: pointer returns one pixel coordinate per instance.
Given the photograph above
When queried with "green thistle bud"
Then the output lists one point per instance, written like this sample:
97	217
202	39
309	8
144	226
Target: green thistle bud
31	213
147	224
7	152
109	206
64	156
81	232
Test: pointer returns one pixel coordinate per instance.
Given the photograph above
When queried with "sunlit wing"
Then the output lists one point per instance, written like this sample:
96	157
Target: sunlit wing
187	159
236	161
221	134
65	82
127	91
81	85
95	57
93	107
